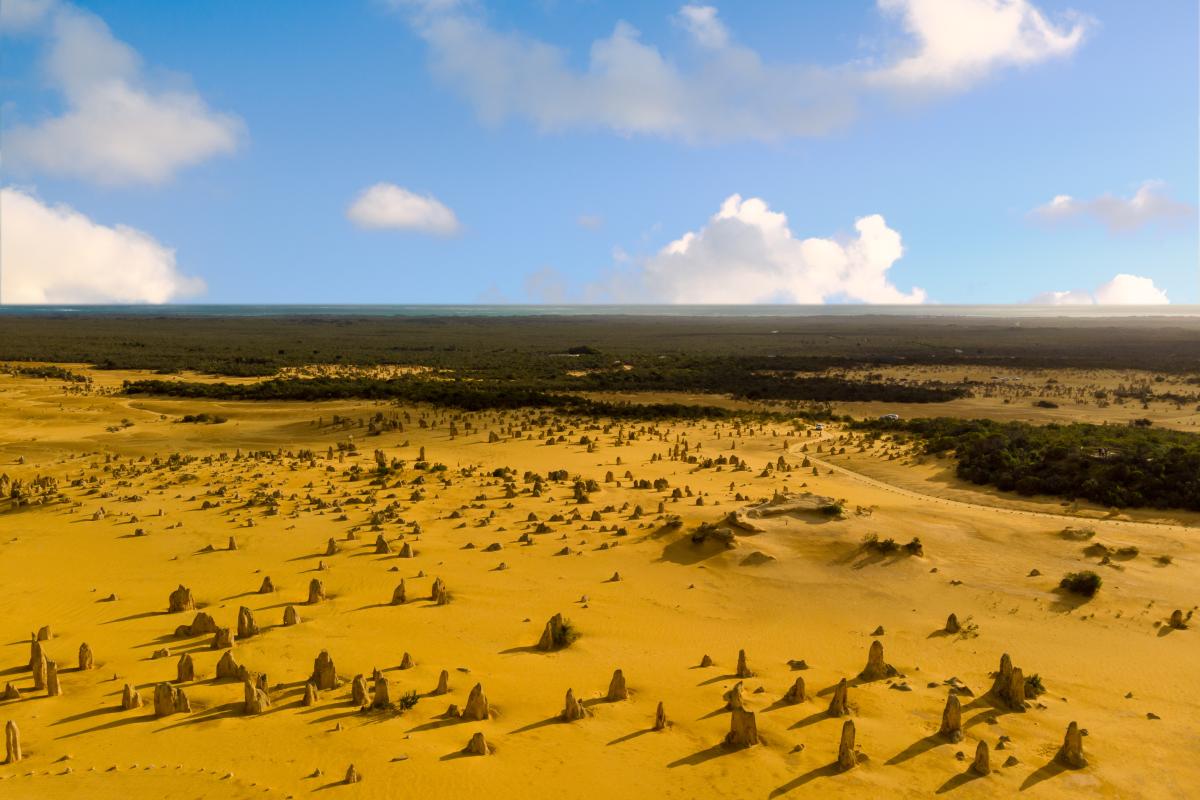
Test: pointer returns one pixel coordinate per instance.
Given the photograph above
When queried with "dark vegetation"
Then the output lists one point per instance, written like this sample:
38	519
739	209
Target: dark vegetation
203	419
547	346
1085	583
1114	465
469	396
47	371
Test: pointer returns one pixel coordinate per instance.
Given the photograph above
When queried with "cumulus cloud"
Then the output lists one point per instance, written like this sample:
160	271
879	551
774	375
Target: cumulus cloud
1149	205
386	205
959	42
747	253
723	89
54	254
116	128
1123	289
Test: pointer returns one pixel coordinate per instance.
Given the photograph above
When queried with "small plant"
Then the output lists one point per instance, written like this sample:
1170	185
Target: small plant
1164	561
566	634
1085	583
1046	404
831	509
1034	686
408	700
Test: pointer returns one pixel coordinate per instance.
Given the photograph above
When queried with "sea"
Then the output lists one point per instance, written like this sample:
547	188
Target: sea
839	310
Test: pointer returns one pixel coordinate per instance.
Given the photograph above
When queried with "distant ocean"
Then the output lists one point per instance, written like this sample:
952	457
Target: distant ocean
842	310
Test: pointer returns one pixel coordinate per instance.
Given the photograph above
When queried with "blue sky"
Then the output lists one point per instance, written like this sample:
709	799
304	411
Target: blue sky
583	151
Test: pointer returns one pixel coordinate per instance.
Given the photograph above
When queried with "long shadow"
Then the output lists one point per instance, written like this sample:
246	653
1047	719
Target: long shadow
716	712
685	552
917	748
117	723
958	780
718	679
627	737
555	720
826	771
1042	773
521	649
1067	602
811	719
132	617
223	711
95	712
697	758
437	722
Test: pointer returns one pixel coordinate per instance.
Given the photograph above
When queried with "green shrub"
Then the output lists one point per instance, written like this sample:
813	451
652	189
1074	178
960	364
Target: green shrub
1085	583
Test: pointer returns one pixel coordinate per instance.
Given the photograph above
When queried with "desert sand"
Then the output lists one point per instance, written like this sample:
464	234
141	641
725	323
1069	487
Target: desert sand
698	654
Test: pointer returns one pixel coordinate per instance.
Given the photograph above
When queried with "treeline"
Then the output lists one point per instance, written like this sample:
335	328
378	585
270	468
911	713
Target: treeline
47	371
464	395
1113	465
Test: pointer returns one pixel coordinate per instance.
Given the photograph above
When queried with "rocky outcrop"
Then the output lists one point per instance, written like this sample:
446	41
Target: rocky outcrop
324	676
982	764
847	758
1071	752
477	705
170	700
877	668
53	687
222	639
316	591
557	634
743	669
443	684
399	594
796	693
228	668
951	728
12	743
1009	685
246	626
130	699
382	697
478	745
86	659
839	705
660	717
743	729
185	669
572	708
290	617
358	691
352	776
256	700
181	600
616	688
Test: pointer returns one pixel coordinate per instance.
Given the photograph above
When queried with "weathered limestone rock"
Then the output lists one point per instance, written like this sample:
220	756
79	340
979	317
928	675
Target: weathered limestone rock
839	706
876	668
39	671
443	684
311	695
358	690
616	687
438	592
1009	685
12	743
36	653
556	634
324	675
660	717
477	704
86	659
406	662
316	591
952	719
572	709
952	625
53	687
734	698
202	624
222	639
400	594
706	661
352	775
185	670
846	757
1071	752
44	634
331	548
181	600
246	626
290	617
478	746
229	669
381	546
232	544
170	700
257	700
267	587
743	670
10	692
796	693
383	695
743	729
130	698
982	764
406	551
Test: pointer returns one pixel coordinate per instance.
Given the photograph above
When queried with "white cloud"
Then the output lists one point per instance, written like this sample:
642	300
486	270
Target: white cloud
386	205
547	285
1122	290
960	41
702	23
54	254
1149	205
21	15
115	129
723	90
593	222
748	254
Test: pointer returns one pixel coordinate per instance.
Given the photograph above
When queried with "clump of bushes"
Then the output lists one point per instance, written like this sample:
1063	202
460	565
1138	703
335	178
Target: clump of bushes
1046	404
1085	583
889	545
203	419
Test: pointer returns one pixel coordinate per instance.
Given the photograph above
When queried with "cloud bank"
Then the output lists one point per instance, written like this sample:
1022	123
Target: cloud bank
54	254
386	205
116	129
747	253
1149	206
722	90
1123	289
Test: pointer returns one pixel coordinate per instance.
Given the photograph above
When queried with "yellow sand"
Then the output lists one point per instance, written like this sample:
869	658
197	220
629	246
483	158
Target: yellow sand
819	600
